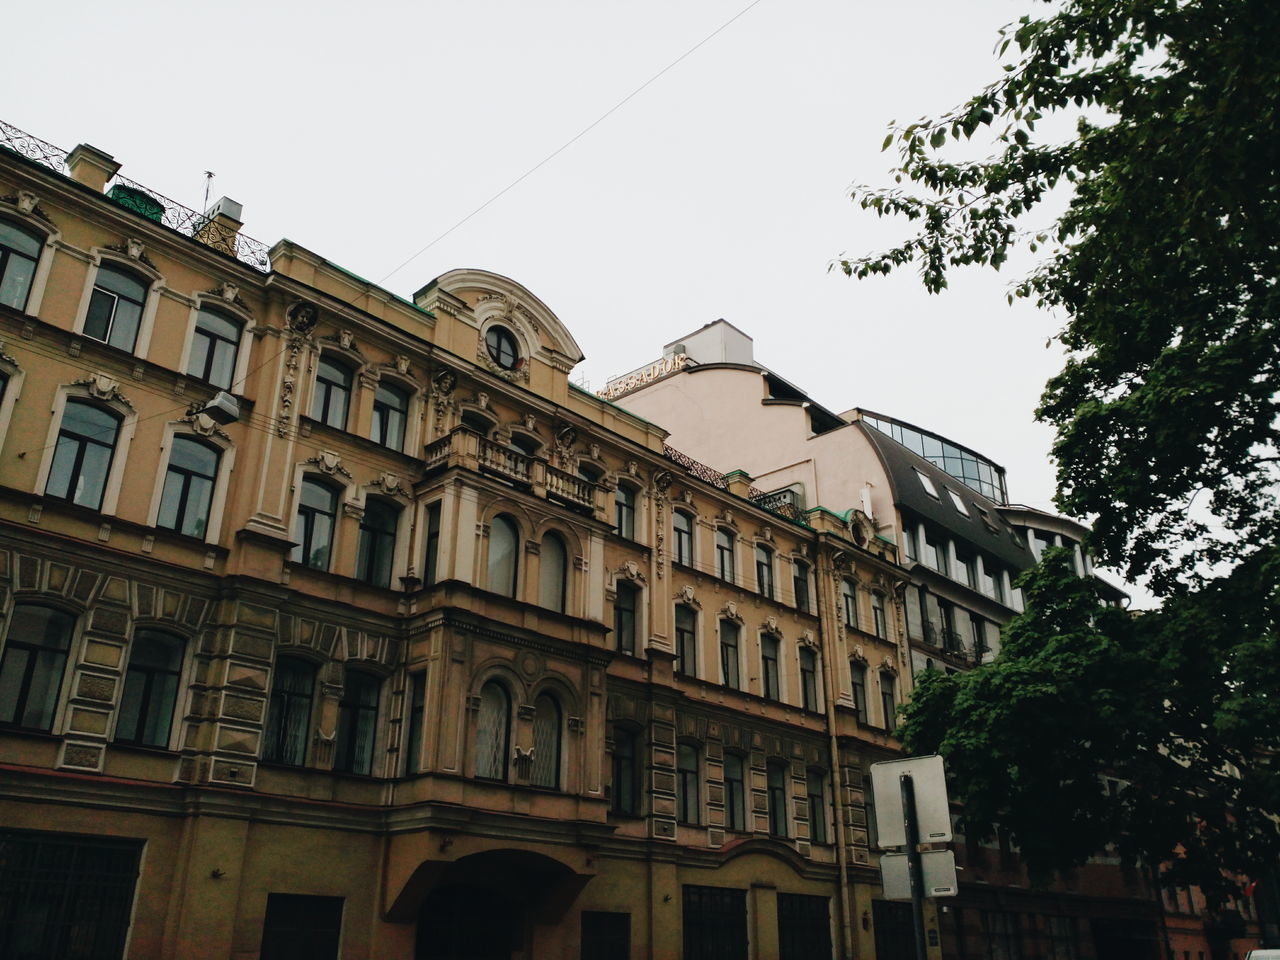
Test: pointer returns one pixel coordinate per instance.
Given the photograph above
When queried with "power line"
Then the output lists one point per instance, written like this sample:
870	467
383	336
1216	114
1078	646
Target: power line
578	136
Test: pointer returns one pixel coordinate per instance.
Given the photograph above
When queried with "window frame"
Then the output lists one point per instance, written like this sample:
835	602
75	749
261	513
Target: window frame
800	586
817	802
726	561
549	571
149	674
288	707
809	679
626	638
496	337
731	678
304	523
510	584
625	498
326	388
36	280
625	791
381	425
735	793
879	617
888	700
370	542
213	338
764	571
55	669
683	537
771	667
688	786
776	774
357	719
188	476
130	273
77	463
858	691
501	750
686	640
553	769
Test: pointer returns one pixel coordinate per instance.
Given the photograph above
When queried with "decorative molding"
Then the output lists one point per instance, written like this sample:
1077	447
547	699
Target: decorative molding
302	317
134	249
730	612
102	387
230	292
630	570
204	425
686	596
328	462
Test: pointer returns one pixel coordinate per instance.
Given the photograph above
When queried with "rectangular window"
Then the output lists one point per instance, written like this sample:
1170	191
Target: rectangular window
808	679
764	572
849	596
624	618
688	798
624	503
606	936
858	673
879	622
214	346
299	927
390	414
686	641
626	772
735	792
65	896
1004	940
413	737
800	585
31	669
935	552
929	488
817	796
150	689
769	661
804	927
432	570
909	543
729	654
724	555
682	523
776	780
888	702
82	454
714	923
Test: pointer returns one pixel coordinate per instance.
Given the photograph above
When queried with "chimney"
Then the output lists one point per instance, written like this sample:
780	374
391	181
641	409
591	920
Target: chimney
221	226
91	166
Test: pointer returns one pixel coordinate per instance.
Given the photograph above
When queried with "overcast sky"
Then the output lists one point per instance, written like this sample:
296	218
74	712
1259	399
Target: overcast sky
365	131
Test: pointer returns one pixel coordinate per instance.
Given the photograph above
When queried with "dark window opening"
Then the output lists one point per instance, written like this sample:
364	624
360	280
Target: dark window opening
299	927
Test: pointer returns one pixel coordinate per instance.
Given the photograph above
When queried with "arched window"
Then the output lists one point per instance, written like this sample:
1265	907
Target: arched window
546	742
625	796
493	730
313	530
333	393
115	307
682	524
82	458
776	780
735	792
553	565
150	688
729	662
725	567
688	803
816	788
289	714
188	487
849	596
800	584
769	678
35	658
214	346
624	617
888	701
19	254
504	543
858	679
376	547
686	640
624	511
390	415
808	679
357	723
764	572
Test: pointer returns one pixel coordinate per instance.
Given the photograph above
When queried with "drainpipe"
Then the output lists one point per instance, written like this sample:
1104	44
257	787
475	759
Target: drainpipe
830	627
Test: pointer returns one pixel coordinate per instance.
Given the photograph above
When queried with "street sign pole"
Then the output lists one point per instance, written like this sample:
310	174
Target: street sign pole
914	869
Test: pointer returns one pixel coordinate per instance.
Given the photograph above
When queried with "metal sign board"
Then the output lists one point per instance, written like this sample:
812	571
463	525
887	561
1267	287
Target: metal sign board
938	867
933	810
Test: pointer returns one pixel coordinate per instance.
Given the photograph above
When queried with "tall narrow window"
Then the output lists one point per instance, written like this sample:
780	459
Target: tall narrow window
504	543
686	641
188	487
809	678
624	617
769	664
776	780
764	572
19	253
729	654
858	675
413	739
299	925
735	792
625	797
816	788
879	622
909	547
624	511
313	530
375	550
214	346
390	414
333	393
724	555
289	714
682	525
888	702
150	689
432	568
357	723
800	584
82	457
115	308
687	800
546	742
553	565
493	730
849	597
35	658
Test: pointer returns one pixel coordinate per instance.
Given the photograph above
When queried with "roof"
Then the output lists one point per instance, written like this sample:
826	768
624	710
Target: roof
902	466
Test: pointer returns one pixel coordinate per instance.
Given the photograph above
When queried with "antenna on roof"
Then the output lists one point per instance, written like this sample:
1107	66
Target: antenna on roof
208	182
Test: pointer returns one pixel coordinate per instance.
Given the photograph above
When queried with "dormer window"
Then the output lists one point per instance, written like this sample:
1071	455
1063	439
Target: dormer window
502	347
929	488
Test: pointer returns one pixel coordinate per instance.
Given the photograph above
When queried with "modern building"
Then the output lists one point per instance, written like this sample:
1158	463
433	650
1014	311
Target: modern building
336	624
963	544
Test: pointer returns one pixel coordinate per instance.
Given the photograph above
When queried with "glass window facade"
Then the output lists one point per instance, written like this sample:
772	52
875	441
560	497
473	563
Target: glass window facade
967	467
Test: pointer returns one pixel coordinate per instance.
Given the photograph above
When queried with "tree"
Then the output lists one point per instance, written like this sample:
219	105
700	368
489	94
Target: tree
1165	263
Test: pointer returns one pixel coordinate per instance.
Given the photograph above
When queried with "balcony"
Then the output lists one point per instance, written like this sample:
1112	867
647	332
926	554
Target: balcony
470	451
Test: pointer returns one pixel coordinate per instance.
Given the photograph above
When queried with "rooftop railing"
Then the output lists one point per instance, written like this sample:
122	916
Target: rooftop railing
783	503
146	202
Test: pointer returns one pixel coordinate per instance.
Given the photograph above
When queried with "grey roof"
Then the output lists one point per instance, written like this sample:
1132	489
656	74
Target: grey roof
902	465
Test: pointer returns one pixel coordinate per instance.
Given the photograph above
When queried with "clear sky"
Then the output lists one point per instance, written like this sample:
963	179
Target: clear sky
365	131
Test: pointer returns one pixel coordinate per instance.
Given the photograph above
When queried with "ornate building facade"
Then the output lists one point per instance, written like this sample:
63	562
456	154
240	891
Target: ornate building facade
339	624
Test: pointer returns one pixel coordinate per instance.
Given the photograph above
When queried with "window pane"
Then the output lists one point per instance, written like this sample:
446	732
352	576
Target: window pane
503	543
92	481
97	321
194	456
19	240
222	364
124	331
491	732
218	325
546	743
552	563
16	283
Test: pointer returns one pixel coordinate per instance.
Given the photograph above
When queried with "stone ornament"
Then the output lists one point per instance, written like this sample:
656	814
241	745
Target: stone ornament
329	463
102	387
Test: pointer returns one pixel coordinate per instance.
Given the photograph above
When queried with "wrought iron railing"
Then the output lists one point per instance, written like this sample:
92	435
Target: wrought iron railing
783	503
146	202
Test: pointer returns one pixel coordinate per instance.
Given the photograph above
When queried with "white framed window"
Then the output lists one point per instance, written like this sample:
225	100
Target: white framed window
957	502
190	494
929	488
